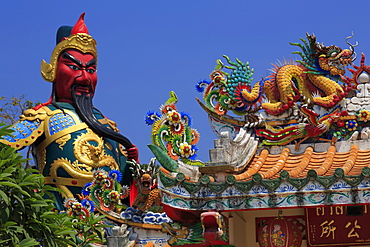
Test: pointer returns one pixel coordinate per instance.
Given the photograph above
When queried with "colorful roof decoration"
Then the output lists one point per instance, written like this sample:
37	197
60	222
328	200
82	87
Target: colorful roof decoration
271	180
298	138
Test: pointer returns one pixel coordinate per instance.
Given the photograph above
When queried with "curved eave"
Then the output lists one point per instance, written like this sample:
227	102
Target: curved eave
266	194
277	180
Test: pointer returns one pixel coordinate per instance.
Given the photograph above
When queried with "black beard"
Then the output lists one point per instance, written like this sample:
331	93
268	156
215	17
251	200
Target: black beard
83	105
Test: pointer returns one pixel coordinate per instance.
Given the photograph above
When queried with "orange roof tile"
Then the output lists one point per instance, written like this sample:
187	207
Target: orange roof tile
325	163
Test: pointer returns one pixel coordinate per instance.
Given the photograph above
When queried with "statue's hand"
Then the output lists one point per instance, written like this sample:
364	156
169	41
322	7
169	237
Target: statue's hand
133	154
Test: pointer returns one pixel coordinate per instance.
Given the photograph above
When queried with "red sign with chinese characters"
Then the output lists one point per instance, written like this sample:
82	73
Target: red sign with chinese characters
338	226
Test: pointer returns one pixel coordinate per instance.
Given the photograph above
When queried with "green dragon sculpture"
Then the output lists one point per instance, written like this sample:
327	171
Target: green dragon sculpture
231	91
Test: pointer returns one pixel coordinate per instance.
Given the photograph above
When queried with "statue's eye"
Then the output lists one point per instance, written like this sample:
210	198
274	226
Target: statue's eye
91	71
73	67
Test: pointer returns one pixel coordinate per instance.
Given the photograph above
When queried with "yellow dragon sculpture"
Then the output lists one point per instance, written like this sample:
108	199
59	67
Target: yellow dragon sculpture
315	79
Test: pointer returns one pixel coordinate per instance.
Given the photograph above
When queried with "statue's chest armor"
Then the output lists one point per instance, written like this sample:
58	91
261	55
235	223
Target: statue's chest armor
71	149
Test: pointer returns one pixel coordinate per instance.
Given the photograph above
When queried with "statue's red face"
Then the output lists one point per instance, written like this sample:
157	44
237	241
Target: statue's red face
75	68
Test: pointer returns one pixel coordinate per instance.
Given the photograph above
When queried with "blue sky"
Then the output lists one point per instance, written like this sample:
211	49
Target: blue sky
149	48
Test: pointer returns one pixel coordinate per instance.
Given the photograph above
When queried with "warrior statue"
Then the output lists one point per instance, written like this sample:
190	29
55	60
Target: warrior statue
68	136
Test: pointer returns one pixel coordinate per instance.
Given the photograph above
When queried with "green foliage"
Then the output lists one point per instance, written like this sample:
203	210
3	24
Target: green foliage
10	110
89	230
27	218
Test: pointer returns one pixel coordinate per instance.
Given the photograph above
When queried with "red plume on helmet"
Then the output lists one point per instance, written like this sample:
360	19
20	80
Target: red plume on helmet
80	26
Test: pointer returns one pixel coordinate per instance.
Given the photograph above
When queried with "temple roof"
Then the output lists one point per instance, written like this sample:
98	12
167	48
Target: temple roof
270	180
325	163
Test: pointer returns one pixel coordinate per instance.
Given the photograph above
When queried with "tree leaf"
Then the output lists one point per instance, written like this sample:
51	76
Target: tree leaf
25	183
39	203
4	197
10	184
28	242
65	232
10	223
32	178
4	174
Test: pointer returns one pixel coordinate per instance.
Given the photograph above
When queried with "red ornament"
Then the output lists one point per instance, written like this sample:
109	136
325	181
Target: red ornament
279	232
340	123
80	26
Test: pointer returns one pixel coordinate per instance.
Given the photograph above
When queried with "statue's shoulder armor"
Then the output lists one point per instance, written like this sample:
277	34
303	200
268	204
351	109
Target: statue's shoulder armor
28	128
34	123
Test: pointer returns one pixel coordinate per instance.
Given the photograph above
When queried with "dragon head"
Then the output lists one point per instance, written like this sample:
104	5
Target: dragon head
332	58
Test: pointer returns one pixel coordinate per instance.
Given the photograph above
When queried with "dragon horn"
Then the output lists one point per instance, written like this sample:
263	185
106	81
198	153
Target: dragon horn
352	47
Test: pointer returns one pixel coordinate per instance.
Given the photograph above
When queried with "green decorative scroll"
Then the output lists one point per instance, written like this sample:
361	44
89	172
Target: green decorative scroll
192	187
166	180
205	179
257	178
298	183
218	188
270	184
230	179
339	173
180	177
244	186
353	181
163	158
326	181
366	171
270	200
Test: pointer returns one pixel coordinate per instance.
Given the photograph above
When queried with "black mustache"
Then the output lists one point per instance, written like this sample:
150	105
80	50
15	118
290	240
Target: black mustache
84	109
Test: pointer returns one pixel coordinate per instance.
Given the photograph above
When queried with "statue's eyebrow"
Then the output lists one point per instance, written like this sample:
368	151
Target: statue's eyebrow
68	56
91	63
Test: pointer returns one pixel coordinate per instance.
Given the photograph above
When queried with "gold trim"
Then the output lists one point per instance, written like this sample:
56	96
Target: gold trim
20	143
82	42
113	125
35	116
52	138
40	114
104	121
79	126
41	160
